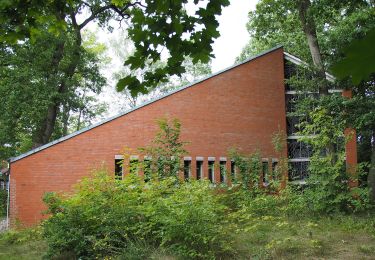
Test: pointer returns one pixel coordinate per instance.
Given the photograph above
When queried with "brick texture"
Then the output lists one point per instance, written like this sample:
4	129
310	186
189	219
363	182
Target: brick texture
242	107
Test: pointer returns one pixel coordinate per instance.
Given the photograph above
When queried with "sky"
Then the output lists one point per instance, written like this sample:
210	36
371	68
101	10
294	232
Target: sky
233	33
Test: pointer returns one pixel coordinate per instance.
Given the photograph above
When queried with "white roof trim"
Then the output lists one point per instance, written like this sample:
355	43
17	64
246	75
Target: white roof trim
298	61
299	160
62	139
294	92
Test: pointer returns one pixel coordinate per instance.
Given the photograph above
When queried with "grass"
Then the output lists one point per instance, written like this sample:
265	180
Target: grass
25	244
339	237
263	237
26	250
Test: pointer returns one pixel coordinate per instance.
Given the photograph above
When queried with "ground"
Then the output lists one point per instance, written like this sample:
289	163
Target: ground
265	237
339	237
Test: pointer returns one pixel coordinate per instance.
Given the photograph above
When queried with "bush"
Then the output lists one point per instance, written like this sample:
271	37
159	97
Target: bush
106	216
166	149
288	202
3	202
328	188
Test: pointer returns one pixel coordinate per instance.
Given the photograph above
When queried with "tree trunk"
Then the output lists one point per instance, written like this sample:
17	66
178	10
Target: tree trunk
309	28
371	174
65	119
47	127
45	130
48	124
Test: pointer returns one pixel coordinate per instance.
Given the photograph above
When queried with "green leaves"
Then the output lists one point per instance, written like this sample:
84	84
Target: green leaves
130	81
156	27
21	20
29	83
119	3
165	26
106	216
359	61
122	83
166	149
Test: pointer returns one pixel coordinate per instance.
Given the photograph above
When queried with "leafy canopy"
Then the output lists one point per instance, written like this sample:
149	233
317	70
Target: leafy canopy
154	27
359	61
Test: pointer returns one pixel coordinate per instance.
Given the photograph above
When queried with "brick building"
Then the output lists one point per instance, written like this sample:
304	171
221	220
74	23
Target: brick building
242	106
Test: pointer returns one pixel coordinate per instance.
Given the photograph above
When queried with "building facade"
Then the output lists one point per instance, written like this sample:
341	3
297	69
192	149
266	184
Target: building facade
241	107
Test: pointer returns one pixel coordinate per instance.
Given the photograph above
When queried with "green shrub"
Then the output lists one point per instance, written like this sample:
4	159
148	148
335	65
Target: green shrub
3	202
166	150
328	188
106	216
287	203
248	170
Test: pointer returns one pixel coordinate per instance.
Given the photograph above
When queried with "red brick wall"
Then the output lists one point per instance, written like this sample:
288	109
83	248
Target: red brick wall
241	107
351	149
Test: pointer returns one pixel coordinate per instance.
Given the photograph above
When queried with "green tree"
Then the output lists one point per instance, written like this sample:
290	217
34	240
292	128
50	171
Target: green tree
28	88
153	27
315	31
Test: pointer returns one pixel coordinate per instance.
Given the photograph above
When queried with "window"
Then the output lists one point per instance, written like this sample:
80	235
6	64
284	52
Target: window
187	169
147	170
133	166
199	169
211	171
223	171
118	169
297	149
233	170
298	170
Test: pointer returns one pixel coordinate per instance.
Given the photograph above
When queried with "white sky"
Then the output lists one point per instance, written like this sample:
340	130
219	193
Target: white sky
233	32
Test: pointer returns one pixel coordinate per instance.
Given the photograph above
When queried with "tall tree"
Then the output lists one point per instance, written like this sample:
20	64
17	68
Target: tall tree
27	89
336	22
154	26
316	31
309	28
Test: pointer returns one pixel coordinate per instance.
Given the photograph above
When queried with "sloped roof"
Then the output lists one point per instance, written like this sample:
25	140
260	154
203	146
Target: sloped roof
62	139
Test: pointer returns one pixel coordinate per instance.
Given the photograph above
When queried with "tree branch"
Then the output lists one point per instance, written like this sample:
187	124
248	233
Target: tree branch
120	12
93	15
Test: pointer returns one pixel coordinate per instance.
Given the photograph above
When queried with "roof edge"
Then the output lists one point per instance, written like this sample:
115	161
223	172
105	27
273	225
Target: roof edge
64	138
298	61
